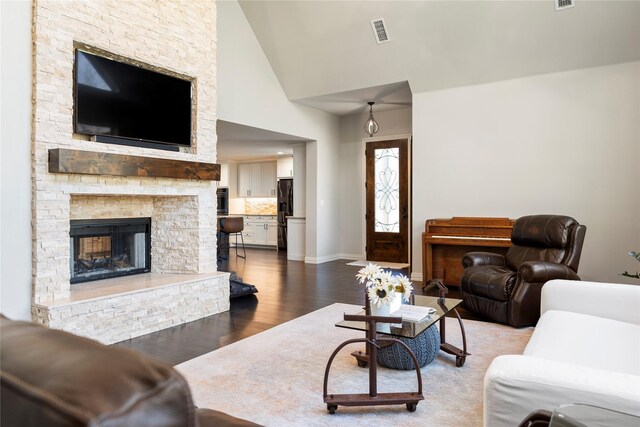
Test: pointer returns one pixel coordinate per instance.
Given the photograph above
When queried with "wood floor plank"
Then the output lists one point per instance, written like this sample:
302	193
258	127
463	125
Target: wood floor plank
287	289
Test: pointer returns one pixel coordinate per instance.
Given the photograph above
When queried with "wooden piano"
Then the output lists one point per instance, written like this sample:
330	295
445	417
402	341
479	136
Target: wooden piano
445	241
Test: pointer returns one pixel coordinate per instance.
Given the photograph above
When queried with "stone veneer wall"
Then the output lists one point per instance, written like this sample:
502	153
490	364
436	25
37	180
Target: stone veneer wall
126	316
174	225
177	36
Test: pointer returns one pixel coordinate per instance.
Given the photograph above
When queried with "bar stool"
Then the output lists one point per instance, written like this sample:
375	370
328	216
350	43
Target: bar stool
234	225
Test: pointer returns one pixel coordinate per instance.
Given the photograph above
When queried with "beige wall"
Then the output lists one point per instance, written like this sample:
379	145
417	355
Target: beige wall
250	94
565	143
352	209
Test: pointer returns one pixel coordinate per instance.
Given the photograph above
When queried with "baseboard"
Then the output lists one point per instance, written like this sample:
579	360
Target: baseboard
416	276
322	259
295	257
354	257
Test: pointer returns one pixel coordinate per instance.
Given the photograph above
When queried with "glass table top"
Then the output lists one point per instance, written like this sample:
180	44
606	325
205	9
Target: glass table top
409	329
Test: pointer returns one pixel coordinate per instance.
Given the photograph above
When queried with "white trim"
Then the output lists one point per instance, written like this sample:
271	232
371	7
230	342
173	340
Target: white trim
416	276
354	257
322	259
363	178
295	257
334	257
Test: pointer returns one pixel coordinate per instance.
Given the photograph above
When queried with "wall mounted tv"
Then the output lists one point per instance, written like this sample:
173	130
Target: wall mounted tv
126	104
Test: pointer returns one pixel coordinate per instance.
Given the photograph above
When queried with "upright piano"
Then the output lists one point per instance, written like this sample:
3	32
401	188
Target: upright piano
445	241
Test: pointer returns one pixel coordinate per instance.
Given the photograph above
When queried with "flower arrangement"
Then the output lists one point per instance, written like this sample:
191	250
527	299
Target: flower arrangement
382	287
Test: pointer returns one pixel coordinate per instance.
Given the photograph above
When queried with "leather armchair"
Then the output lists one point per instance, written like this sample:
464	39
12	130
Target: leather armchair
507	288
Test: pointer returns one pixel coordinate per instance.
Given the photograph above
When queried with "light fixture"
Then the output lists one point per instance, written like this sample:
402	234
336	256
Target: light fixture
371	126
280	153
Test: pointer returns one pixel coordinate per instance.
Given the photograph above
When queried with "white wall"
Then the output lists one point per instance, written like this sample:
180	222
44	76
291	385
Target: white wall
566	143
352	210
15	159
299	180
249	93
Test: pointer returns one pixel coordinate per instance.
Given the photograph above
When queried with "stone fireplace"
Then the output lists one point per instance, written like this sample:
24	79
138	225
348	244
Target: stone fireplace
182	284
104	248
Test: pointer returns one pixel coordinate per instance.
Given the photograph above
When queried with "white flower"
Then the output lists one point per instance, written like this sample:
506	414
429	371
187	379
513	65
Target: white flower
404	286
386	277
382	286
379	294
369	273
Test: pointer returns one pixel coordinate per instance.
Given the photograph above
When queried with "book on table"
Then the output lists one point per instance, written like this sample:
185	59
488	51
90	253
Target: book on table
413	313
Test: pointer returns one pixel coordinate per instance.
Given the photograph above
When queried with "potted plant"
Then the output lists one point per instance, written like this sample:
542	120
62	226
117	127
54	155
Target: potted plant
636	255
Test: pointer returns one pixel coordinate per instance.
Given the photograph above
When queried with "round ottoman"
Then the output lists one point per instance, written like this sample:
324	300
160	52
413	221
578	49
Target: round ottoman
425	347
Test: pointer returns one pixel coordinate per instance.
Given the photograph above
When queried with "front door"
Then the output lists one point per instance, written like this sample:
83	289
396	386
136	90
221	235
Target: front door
387	192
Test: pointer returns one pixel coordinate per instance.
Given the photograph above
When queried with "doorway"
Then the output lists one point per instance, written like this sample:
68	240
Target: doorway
387	201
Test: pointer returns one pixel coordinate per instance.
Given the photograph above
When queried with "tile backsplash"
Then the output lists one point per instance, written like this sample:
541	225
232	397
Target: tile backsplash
260	206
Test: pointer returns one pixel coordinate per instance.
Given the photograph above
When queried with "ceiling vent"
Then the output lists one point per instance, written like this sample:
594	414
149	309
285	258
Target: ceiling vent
564	4
380	30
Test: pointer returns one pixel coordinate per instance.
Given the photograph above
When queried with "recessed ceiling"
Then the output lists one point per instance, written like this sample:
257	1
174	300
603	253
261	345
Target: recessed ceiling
386	97
238	142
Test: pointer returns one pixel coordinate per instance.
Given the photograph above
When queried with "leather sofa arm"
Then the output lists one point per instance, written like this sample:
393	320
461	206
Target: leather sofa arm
524	303
472	259
542	272
90	384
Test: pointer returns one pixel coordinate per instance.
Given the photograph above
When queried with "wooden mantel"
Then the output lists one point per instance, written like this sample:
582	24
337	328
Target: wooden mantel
62	160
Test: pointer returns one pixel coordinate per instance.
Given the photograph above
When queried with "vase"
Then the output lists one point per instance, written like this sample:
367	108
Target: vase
387	309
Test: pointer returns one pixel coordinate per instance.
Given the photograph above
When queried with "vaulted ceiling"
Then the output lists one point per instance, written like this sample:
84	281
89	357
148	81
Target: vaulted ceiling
322	51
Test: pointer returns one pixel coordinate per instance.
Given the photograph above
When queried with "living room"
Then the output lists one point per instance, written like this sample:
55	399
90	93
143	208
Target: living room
542	121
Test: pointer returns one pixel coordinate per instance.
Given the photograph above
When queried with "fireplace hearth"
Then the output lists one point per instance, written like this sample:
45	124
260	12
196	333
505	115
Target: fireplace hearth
105	248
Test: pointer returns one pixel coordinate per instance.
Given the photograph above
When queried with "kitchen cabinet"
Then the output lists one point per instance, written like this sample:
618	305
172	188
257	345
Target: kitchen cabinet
224	175
260	230
244	180
272	233
285	167
257	179
247	236
269	180
265	232
260	233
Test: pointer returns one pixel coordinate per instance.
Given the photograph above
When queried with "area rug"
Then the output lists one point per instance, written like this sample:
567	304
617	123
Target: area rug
391	265
275	378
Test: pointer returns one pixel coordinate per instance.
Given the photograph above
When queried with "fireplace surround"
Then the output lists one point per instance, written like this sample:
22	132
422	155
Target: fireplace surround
105	248
74	178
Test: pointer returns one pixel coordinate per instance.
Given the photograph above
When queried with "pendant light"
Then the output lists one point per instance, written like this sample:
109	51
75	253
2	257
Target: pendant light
371	126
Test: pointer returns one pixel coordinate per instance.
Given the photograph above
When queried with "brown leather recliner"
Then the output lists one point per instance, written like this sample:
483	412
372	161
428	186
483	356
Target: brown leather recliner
507	288
52	378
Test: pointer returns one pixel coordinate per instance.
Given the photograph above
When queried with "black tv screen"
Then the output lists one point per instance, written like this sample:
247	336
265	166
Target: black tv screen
126	101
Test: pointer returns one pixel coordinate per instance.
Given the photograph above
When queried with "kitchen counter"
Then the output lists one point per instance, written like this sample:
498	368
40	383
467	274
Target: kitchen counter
259	230
296	239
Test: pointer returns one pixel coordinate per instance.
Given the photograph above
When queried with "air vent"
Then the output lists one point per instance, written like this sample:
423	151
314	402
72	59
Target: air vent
564	4
380	30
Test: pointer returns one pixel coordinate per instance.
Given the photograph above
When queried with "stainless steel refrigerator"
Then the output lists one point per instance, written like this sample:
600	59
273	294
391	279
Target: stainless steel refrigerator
285	209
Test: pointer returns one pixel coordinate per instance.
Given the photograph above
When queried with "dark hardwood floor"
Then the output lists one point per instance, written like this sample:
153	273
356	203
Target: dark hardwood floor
287	289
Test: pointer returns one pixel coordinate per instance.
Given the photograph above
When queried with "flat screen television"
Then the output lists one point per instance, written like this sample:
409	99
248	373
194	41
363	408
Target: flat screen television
125	102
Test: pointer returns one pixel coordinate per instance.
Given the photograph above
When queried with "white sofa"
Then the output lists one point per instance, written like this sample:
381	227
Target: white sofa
584	349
